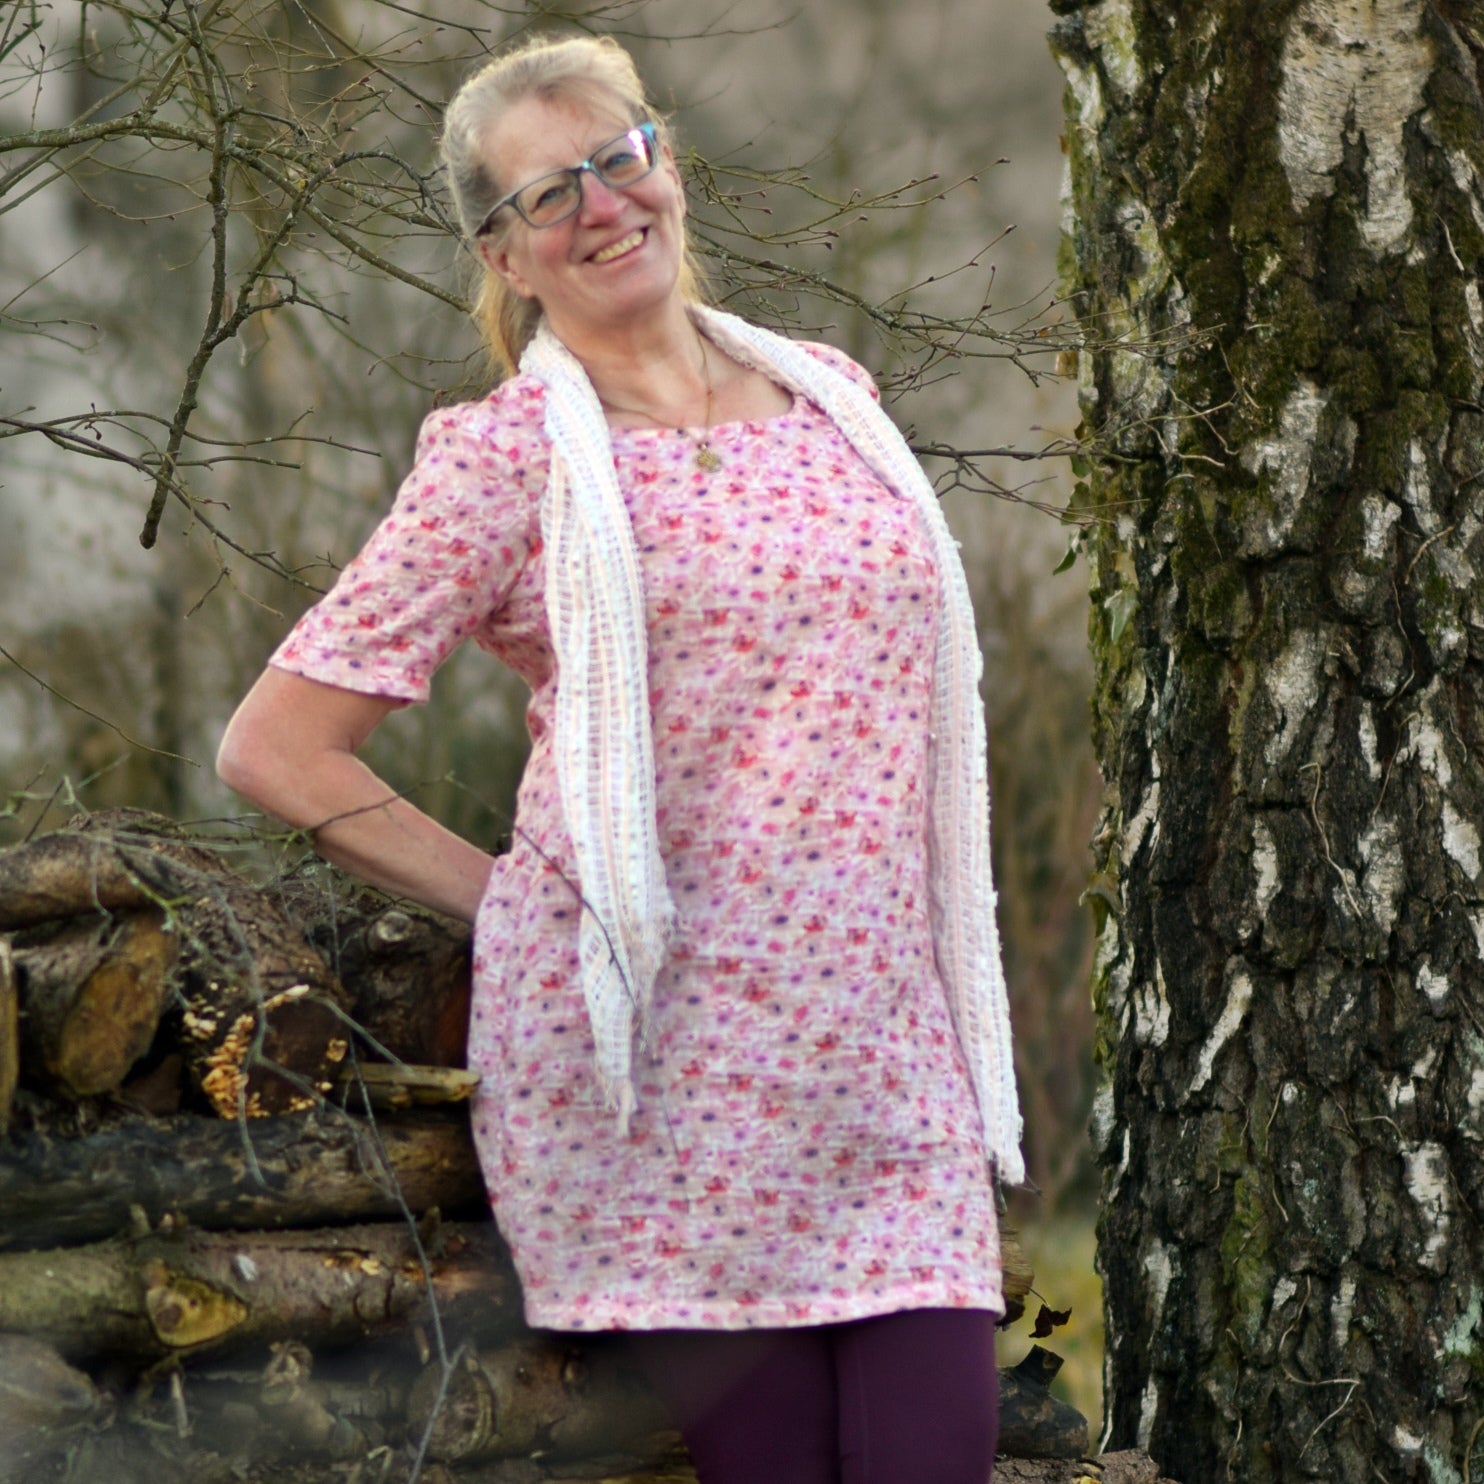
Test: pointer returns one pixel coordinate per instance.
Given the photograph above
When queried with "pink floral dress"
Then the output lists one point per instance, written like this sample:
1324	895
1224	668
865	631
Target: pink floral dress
807	1147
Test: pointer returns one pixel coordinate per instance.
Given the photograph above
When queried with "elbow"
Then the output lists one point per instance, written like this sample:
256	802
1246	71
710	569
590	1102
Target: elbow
287	747
244	762
234	762
229	766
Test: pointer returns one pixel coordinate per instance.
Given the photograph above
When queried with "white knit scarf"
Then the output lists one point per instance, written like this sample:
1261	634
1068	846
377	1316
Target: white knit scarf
604	750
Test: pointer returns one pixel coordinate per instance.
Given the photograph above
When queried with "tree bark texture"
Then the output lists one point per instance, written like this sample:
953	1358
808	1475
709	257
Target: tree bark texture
408	971
1287	570
536	1397
176	1291
1033	1423
43	1403
10	1035
296	1170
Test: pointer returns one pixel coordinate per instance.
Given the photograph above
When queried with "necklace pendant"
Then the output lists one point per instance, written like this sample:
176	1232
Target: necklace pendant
707	459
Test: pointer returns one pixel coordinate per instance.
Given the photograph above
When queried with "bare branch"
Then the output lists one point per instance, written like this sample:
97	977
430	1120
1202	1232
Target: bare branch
51	690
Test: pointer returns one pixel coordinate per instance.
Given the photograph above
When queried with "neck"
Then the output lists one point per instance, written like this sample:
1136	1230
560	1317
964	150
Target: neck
657	372
628	355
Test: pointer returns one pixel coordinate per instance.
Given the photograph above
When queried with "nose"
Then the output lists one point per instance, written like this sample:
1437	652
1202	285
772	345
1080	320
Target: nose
599	202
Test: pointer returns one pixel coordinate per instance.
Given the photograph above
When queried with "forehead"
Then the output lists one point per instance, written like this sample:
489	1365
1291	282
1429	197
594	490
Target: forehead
537	134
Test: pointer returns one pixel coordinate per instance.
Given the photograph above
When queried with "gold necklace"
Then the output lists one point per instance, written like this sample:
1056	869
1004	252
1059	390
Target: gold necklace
707	457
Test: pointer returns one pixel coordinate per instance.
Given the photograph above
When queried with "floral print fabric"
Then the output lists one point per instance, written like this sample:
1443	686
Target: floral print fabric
807	1147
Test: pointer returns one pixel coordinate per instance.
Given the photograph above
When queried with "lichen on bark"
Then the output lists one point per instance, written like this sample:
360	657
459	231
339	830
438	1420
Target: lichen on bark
1286	560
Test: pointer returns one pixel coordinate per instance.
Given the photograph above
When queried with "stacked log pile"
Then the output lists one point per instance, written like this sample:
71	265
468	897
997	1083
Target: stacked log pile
242	1229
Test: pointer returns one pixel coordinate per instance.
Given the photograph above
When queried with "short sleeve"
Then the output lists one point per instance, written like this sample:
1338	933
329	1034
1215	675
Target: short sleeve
439	566
837	360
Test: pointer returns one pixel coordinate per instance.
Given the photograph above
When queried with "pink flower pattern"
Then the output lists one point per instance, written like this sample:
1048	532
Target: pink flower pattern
807	1147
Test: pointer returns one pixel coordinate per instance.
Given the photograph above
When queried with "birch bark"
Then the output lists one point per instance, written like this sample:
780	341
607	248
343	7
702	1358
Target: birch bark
1287	570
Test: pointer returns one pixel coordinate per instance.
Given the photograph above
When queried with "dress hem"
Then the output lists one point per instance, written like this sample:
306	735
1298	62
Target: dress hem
773	1313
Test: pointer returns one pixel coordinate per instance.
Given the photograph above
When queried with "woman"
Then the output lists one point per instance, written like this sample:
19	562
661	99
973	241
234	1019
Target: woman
738	1004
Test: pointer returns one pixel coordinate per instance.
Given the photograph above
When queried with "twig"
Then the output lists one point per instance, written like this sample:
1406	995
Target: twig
1350	1381
1324	838
78	706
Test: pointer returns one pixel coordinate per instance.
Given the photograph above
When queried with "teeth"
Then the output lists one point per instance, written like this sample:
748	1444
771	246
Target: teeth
619	248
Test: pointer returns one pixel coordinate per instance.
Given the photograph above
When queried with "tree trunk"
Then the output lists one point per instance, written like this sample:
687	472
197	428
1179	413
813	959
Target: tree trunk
10	1035
1287	558
290	1171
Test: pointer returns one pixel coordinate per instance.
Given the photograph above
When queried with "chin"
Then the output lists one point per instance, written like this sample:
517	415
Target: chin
627	304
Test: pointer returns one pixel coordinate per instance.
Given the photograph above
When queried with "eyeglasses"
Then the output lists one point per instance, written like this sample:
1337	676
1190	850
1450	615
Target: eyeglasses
620	163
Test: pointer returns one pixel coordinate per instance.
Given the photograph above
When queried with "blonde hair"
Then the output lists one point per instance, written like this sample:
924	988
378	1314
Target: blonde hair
587	68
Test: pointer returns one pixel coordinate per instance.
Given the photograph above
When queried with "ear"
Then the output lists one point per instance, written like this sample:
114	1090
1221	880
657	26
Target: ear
497	260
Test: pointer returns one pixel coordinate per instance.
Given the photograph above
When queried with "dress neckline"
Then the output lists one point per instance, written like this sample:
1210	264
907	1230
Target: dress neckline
693	431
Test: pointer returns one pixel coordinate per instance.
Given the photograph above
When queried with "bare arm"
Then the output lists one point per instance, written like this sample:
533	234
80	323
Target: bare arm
291	749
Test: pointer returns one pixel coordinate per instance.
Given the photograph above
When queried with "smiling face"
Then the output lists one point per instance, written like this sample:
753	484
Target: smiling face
617	259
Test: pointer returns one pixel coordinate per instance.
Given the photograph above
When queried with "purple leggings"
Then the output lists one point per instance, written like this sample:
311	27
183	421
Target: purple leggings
909	1398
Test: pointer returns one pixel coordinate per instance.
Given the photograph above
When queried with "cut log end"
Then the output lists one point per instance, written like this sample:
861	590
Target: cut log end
117	1008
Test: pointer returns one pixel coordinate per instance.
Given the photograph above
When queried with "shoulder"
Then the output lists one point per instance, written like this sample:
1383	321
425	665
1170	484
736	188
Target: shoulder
837	360
493	448
514	412
480	468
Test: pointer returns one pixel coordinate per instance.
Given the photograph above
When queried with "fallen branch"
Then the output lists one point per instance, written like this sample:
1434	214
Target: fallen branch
541	1395
173	1291
297	1170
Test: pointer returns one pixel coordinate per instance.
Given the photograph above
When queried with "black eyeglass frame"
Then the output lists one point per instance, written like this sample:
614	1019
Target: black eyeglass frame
645	127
